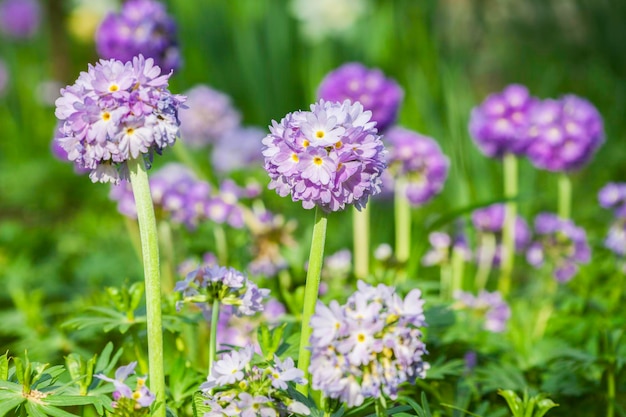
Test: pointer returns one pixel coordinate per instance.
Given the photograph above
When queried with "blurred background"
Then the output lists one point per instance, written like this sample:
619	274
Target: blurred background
61	237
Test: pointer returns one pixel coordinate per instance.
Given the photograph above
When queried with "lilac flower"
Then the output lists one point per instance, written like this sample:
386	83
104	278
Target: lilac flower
209	116
357	83
115	112
492	308
240	148
127	400
419	161
615	240
496	125
442	246
369	346
229	286
20	19
320	173
241	386
559	243
563	134
613	196
142	27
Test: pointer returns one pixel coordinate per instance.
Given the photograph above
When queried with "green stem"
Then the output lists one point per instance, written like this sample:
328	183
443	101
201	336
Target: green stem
316	257
221	245
485	261
361	237
565	196
215	314
458	269
610	391
402	214
150	252
545	312
445	288
508	233
381	407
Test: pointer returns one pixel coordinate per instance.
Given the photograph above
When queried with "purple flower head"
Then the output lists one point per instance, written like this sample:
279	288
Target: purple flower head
240	148
564	134
20	19
497	123
125	398
369	346
116	112
613	196
490	219
560	244
492	308
442	246
142	27
615	240
357	83
329	157
419	161
209	116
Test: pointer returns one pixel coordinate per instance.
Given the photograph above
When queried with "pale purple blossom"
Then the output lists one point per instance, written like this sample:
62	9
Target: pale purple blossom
442	246
319	171
370	87
125	398
613	196
497	124
240	148
490	306
116	112
20	19
142	27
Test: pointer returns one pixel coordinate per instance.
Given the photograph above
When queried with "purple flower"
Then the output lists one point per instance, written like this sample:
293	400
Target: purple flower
564	134
492	308
115	112
143	27
419	161
20	18
615	240
496	125
559	243
328	157
125	398
442	246
240	148
209	116
369	346
357	83
613	196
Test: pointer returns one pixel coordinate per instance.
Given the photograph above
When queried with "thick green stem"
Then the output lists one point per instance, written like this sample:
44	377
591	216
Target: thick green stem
507	253
215	314
458	269
150	254
565	196
316	257
402	213
610	391
485	261
361	244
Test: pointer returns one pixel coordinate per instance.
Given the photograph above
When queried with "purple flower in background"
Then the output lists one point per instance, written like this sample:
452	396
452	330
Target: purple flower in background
127	400
492	308
20	18
329	157
419	161
240	148
357	83
613	196
442	246
564	134
142	27
116	112
270	234
496	124
369	346
209	116
559	243
615	240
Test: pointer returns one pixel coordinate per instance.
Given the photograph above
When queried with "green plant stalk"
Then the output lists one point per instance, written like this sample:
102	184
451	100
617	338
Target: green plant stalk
487	253
402	214
458	270
508	231
150	255
546	310
316	257
381	407
445	287
361	241
221	244
215	314
565	196
610	391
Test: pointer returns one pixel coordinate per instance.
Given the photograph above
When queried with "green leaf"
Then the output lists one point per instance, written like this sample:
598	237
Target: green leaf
4	367
34	410
57	412
443	368
544	405
68	400
199	408
8	404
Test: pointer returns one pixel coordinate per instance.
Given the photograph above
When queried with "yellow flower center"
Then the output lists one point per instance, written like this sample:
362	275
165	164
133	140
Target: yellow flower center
317	160
360	338
113	88
306	143
130	130
338	145
320	134
106	116
294	157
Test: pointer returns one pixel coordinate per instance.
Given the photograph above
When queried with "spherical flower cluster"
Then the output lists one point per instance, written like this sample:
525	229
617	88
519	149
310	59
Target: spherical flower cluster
369	346
442	246
127	401
327	157
490	306
490	219
497	123
419	161
142	27
116	112
561	244
20	19
563	134
209	115
227	285
240	385
177	194
355	82
325	18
